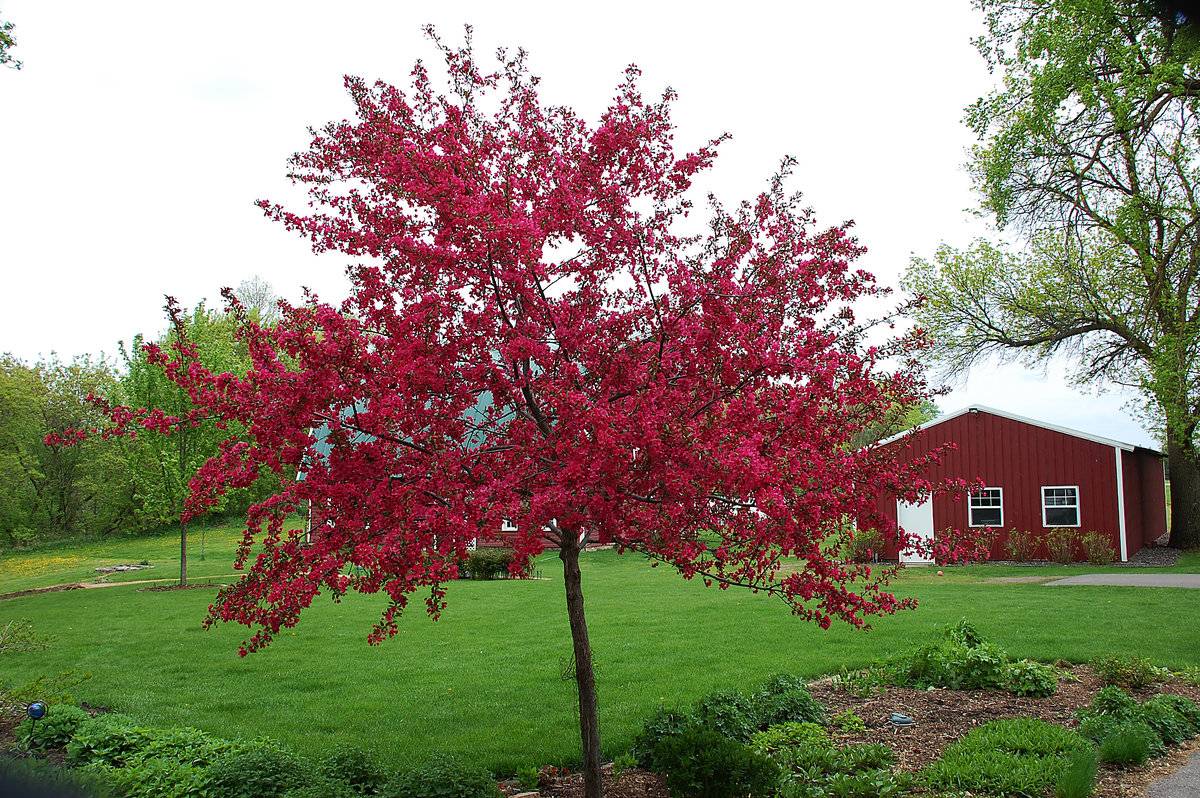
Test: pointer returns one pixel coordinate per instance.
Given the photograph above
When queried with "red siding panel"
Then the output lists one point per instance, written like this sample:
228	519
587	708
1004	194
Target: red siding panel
1022	458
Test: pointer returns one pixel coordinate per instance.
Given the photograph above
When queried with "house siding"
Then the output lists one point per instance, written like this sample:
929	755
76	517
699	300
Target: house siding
1021	458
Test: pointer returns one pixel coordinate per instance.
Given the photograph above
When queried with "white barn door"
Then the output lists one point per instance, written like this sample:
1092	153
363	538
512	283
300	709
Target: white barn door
917	521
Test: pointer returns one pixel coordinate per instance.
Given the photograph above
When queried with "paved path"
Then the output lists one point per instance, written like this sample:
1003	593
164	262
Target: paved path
1132	580
1183	783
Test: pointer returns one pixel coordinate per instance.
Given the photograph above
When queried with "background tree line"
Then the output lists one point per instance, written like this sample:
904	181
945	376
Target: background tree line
118	486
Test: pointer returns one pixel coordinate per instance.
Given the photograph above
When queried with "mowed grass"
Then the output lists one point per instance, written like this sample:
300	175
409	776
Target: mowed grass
487	680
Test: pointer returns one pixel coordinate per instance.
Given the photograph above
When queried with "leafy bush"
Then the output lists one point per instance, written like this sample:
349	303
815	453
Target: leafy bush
259	769
1079	779
1021	545
443	777
790	735
866	545
662	724
701	763
1171	726
53	731
1028	678
849	722
868	784
356	768
1184	706
869	756
322	789
1098	549
784	698
1060	543
959	667
153	778
530	778
1128	743
729	713
489	563
1022	756
623	763
1128	671
1114	701
113	740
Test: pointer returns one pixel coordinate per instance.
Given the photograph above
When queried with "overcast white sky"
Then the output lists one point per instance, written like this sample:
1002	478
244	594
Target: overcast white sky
138	135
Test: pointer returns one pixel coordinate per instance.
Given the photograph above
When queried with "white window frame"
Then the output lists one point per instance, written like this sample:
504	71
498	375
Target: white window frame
1078	510
970	516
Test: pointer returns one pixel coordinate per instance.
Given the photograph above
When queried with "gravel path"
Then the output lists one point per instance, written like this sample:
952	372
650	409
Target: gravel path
1131	580
1183	783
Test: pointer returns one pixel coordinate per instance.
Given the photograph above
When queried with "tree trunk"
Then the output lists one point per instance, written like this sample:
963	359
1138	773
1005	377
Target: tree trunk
1183	467
585	677
182	553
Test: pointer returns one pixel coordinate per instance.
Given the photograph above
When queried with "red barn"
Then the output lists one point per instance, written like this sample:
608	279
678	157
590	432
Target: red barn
1038	477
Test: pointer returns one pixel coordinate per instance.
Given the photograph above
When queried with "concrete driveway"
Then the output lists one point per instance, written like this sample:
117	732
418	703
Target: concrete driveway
1132	580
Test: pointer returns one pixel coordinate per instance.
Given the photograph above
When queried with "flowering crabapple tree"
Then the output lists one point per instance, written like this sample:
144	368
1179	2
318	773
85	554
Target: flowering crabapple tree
532	334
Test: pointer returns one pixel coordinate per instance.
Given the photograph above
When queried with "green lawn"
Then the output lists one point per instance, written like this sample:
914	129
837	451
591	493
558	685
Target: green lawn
486	680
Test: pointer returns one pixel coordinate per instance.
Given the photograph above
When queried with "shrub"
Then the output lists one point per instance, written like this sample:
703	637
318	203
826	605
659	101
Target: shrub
868	784
489	563
258	769
322	789
623	763
53	731
1021	545
1029	678
790	735
1022	756
1098	549
1128	671
1129	743
356	768
849	722
443	777
870	756
701	763
153	778
662	724
1079	779
784	698
18	636
951	664
1171	726
866	545
729	713
108	739
1060	544
1114	701
1184	706
530	778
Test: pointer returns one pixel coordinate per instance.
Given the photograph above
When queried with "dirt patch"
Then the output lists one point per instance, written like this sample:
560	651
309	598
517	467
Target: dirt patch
192	586
36	590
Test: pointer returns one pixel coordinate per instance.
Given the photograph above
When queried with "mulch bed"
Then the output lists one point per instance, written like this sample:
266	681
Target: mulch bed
942	716
35	591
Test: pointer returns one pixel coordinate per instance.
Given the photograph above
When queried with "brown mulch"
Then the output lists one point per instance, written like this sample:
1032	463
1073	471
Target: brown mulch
36	590
942	716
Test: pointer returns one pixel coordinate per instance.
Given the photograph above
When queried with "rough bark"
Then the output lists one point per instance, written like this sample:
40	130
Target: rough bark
585	677
1183	468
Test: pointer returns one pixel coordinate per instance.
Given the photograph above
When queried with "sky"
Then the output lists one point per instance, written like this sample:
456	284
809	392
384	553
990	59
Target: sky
138	136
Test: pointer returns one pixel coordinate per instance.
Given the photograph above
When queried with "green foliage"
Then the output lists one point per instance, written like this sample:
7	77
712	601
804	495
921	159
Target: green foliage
489	563
1128	743
53	731
55	690
1079	779
18	637
702	763
849	722
322	789
529	778
443	777
662	724
113	740
623	763
1128	670
784	698
729	713
1028	678
786	736
1171	726
865	757
153	778
1022	756
865	545
258	769
1098	549
1021	545
1114	701
959	667
354	767
1061	544
1184	706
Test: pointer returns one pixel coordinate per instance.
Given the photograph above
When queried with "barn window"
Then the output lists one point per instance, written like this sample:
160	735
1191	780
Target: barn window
1060	505
986	507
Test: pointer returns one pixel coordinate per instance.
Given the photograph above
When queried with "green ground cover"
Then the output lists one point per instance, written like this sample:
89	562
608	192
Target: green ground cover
487	680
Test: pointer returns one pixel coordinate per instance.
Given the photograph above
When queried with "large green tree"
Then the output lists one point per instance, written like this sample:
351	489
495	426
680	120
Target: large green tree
1087	155
48	491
